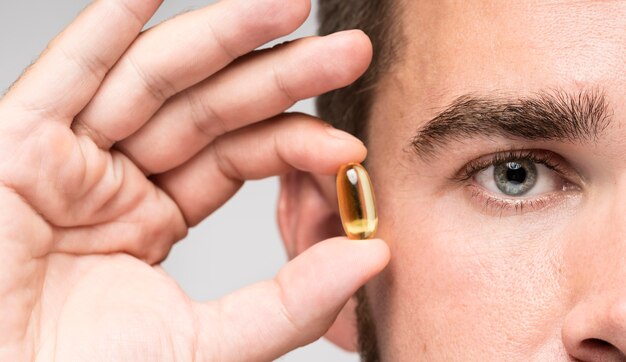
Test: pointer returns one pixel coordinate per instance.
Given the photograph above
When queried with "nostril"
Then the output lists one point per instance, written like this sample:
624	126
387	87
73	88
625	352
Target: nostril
596	349
594	330
596	343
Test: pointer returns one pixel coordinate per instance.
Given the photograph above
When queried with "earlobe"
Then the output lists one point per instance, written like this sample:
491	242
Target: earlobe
308	213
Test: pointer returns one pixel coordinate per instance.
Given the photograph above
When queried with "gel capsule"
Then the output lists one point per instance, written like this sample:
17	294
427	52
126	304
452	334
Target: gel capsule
357	206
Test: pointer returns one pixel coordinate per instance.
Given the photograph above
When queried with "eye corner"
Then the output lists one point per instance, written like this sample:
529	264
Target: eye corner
548	175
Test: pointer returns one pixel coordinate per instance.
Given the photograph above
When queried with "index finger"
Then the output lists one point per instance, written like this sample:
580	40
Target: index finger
209	179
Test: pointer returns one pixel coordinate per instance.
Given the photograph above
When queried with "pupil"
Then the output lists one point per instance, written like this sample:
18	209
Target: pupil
515	173
515	178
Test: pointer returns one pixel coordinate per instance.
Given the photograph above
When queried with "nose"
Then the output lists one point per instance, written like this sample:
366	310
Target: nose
595	330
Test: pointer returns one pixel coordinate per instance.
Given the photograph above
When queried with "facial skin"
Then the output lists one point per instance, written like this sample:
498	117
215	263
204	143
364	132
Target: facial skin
475	274
468	282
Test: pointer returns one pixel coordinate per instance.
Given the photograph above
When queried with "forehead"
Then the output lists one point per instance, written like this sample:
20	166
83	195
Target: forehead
500	49
456	46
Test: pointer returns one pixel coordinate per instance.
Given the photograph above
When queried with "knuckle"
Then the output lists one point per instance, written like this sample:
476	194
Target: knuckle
91	64
204	116
227	49
81	127
284	308
224	162
282	86
128	8
159	88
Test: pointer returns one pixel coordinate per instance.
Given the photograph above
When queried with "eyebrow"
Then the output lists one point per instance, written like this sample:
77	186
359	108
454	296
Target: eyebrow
549	115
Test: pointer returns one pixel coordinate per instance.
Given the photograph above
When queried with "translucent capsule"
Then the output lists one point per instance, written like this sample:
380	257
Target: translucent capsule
357	206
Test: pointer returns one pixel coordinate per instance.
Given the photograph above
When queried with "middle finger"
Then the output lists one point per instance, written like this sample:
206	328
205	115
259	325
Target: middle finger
250	90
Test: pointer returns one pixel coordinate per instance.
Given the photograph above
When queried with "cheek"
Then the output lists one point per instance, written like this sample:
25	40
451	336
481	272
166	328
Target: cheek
462	283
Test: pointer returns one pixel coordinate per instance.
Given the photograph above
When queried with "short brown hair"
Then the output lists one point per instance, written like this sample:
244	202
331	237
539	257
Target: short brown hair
349	108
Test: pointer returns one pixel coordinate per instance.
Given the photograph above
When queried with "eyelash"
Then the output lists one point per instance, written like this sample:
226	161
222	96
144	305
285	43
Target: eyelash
518	205
549	159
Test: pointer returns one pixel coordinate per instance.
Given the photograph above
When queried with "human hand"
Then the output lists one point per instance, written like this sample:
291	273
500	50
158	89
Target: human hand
115	142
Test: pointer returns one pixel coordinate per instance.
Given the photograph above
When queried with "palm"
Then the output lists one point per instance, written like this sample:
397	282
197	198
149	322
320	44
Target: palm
91	196
75	297
112	307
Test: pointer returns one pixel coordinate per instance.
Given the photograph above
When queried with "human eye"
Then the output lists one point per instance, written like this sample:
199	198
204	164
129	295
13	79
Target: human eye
519	180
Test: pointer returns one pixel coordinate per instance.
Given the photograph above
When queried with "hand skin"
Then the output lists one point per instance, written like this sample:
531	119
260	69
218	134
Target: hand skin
108	142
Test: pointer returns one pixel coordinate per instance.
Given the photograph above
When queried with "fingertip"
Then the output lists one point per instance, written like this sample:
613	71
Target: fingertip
294	13
373	253
370	255
363	45
331	271
352	148
354	37
312	145
341	135
381	254
379	246
355	46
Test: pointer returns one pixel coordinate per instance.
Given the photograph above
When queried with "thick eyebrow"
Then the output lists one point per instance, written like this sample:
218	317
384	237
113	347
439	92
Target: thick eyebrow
552	115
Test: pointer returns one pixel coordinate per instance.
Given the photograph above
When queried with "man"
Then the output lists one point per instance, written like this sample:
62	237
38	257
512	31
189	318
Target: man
495	146
495	135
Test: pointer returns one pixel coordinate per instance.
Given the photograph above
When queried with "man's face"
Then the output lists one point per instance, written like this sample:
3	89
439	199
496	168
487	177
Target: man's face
506	214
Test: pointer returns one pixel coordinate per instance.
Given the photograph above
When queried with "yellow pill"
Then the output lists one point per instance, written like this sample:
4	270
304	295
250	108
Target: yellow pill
357	206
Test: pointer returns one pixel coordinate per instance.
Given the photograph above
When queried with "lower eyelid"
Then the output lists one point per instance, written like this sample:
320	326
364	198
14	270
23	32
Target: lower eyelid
504	206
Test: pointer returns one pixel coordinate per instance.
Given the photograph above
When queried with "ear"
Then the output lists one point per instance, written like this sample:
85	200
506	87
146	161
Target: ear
308	213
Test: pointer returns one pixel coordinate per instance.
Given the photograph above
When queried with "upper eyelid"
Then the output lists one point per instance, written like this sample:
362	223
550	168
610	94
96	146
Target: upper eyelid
551	159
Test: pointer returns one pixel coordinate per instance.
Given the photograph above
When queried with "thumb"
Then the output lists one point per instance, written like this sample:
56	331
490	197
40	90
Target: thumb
266	320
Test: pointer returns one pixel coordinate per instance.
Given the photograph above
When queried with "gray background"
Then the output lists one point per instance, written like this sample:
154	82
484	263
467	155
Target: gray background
237	245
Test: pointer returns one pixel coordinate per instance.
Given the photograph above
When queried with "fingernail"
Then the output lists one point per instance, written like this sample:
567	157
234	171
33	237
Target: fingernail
337	133
345	33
